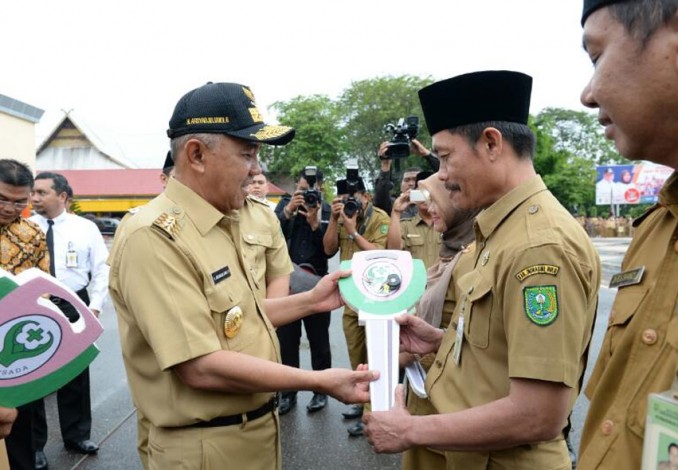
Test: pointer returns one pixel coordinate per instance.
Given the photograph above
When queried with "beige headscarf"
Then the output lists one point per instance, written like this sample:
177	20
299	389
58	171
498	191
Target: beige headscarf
459	233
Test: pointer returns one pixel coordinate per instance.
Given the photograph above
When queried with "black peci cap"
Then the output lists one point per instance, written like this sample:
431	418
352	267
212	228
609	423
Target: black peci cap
476	97
224	108
592	5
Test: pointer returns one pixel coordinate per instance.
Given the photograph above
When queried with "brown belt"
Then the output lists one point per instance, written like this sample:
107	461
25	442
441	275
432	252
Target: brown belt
238	419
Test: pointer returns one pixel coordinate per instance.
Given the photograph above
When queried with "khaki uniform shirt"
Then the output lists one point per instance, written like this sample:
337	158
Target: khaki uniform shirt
639	354
176	270
420	239
264	245
528	295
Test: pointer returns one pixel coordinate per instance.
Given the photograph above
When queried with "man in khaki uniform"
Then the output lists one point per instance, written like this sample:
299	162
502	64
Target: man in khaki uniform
366	229
632	45
415	234
198	343
508	369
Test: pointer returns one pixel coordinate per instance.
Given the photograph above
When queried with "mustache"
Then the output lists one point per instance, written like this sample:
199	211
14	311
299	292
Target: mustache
452	187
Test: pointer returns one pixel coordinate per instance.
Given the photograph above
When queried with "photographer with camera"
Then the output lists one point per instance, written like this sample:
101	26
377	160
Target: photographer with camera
400	146
303	219
356	225
415	234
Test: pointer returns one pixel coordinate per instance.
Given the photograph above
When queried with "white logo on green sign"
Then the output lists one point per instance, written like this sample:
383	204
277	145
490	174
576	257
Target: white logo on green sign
27	343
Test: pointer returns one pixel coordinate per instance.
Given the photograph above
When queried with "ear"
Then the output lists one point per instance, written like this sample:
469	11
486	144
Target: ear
492	143
195	155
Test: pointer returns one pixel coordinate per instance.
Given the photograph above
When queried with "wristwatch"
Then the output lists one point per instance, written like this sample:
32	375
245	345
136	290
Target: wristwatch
352	236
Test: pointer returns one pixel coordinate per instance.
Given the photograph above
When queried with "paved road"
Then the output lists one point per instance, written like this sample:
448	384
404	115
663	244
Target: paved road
309	441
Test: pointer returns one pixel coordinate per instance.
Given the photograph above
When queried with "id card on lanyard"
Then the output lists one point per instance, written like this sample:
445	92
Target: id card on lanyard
71	257
459	338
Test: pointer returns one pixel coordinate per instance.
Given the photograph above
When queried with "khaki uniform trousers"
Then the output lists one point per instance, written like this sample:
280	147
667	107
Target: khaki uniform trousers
254	445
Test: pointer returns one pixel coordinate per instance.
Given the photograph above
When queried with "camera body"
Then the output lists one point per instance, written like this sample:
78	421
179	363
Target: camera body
312	197
402	132
352	184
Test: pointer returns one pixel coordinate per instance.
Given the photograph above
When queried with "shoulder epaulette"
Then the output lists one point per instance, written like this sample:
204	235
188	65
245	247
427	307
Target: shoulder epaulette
258	201
167	223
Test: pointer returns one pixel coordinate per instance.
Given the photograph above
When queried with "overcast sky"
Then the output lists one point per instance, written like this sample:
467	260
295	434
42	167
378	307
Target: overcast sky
122	66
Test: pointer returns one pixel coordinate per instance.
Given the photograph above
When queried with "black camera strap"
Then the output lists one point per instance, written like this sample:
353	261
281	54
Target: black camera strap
366	220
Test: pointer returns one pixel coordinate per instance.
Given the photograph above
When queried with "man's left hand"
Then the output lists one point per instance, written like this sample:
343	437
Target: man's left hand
386	430
325	295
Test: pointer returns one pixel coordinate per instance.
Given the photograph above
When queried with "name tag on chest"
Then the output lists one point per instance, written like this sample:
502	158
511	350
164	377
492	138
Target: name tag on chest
221	274
627	278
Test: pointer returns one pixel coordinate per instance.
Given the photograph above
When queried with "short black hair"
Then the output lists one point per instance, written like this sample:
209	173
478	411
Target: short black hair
15	173
673	444
59	182
519	136
642	19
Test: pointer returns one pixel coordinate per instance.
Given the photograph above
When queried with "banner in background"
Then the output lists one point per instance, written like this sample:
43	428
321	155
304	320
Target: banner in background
630	184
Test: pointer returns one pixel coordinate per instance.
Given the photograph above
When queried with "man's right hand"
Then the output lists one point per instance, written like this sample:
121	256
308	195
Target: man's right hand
296	201
417	336
346	385
385	162
337	207
401	203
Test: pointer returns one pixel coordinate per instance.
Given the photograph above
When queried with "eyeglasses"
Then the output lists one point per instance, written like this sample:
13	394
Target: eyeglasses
19	206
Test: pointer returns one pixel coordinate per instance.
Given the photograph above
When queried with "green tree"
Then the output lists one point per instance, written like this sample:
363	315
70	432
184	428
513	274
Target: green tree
578	133
368	105
318	141
569	145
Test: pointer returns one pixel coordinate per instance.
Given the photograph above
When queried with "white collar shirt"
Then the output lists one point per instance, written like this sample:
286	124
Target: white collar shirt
79	240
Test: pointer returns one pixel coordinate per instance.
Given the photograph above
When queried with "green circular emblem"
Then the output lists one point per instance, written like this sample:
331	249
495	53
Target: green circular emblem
541	304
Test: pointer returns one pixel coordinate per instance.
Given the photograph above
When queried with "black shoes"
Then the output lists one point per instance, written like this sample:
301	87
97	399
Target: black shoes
354	411
286	404
84	447
40	460
317	403
356	430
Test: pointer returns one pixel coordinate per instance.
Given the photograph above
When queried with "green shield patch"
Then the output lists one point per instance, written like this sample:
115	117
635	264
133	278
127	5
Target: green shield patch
384	229
541	304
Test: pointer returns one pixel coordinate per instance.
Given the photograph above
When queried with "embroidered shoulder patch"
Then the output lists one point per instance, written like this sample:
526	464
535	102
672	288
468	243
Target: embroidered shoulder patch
541	304
384	229
537	269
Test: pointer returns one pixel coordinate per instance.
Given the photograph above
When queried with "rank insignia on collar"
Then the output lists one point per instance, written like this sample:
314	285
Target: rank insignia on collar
232	322
541	304
627	278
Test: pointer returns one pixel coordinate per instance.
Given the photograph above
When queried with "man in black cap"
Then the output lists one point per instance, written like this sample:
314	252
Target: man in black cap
199	345
167	169
508	369
634	86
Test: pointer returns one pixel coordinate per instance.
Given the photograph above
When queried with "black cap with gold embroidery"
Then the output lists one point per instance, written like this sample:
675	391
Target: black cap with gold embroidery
592	5
224	108
497	95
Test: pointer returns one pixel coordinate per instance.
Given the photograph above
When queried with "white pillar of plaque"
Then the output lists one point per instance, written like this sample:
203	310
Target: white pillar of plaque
383	284
383	344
